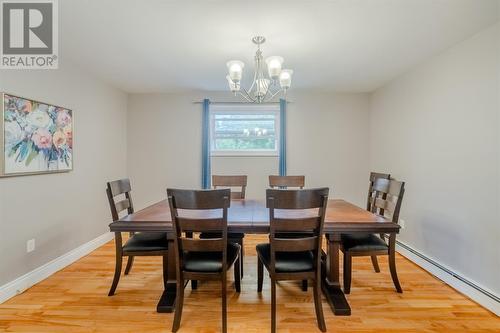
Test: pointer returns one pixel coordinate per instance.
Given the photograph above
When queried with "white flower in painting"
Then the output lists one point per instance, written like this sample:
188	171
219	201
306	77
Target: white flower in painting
39	119
13	133
63	118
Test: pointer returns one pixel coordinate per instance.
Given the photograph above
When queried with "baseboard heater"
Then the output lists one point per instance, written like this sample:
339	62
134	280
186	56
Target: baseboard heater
455	275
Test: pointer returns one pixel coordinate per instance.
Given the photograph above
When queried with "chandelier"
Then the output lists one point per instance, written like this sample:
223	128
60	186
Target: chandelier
264	87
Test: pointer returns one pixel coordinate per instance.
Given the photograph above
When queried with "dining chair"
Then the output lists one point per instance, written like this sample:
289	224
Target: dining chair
138	244
374	176
287	181
202	259
387	198
233	237
294	258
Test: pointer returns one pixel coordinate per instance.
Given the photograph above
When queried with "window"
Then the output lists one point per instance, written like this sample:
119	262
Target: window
244	129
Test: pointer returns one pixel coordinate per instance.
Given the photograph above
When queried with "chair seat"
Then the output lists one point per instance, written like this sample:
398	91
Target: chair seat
230	235
287	262
362	242
146	241
210	262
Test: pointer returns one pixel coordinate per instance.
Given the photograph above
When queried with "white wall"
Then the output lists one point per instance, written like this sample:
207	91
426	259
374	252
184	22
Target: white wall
63	211
327	141
437	128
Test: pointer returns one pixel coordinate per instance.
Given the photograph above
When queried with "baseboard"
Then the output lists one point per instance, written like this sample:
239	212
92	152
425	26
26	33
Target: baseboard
463	285
29	279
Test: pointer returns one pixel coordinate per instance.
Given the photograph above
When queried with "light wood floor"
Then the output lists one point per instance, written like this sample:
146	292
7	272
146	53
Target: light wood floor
75	300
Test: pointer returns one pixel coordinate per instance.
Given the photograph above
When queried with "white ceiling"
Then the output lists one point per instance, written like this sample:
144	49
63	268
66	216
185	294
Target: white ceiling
344	45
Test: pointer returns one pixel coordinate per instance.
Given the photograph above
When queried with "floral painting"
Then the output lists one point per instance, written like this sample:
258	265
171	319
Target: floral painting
37	137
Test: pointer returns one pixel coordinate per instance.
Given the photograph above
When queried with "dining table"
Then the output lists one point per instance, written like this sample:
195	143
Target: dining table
252	217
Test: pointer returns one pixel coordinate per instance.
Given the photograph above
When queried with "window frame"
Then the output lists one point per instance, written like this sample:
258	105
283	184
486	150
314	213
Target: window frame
268	108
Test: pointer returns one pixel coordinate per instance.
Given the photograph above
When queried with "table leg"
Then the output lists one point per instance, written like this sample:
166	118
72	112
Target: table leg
167	299
331	281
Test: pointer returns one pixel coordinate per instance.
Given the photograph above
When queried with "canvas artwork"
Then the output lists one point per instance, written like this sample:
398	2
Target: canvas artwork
37	137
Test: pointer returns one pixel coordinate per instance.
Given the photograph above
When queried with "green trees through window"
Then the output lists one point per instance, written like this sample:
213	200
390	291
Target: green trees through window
244	131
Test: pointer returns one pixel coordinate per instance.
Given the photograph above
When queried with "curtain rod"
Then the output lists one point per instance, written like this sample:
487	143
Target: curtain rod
266	103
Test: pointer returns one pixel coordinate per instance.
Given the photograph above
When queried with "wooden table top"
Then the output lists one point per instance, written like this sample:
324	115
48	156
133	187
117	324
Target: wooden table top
252	216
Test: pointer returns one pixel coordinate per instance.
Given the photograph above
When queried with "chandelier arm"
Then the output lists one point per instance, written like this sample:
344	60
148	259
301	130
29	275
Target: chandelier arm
274	94
255	71
268	92
253	81
246	95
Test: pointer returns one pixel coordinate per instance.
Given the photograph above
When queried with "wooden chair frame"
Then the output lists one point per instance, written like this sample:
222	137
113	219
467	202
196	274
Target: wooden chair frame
201	200
233	181
285	182
374	176
114	189
385	190
295	200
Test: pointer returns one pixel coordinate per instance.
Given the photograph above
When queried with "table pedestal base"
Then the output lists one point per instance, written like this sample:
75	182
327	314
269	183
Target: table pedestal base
166	304
336	298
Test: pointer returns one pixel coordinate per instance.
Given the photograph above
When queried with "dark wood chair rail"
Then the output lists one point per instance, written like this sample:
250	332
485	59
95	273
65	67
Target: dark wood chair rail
239	181
287	181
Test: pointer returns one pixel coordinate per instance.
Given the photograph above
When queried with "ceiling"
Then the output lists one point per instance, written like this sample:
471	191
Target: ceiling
344	45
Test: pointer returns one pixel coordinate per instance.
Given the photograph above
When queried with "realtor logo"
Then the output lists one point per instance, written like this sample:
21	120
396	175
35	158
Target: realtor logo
29	34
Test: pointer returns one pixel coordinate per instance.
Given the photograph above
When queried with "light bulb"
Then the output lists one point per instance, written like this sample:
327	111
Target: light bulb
274	66
235	68
286	78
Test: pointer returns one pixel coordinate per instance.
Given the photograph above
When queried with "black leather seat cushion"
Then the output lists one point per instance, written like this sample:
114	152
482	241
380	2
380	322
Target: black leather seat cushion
287	262
209	262
146	241
362	242
208	235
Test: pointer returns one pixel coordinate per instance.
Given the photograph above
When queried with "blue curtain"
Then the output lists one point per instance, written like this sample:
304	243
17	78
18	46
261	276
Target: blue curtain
282	158
205	146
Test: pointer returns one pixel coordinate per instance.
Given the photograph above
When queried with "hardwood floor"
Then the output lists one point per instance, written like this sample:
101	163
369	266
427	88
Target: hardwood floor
75	300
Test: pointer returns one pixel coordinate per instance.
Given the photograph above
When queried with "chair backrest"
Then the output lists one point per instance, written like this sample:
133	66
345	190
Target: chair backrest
287	181
387	198
231	181
116	188
373	177
202	211
300	211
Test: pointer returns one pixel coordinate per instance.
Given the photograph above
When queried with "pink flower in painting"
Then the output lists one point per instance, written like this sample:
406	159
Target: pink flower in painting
59	139
63	118
27	107
68	131
42	138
